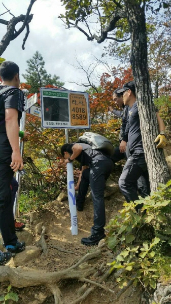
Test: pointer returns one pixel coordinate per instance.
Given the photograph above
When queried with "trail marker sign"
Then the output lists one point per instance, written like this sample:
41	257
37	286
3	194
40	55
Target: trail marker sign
64	109
31	101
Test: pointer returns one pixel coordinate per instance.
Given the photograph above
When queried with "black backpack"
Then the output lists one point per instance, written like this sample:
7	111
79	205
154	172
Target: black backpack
97	142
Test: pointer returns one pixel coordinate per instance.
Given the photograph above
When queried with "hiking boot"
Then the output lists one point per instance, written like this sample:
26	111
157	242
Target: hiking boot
93	239
18	247
5	257
19	226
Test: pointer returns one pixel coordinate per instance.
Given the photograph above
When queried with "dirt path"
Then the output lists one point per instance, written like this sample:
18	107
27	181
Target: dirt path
65	250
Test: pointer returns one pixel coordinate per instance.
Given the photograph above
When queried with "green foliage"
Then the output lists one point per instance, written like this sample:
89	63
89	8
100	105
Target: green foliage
9	295
163	103
37	76
141	242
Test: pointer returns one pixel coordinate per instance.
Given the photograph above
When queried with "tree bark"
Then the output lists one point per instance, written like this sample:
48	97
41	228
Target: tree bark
156	162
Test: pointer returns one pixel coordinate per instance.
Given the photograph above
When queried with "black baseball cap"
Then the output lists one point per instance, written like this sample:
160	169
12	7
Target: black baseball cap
128	86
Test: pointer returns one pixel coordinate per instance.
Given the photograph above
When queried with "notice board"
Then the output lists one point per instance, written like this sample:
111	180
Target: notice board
64	109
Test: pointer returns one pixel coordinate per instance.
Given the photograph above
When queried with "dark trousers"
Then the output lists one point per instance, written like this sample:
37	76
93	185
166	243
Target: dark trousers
134	168
14	189
85	178
6	205
143	186
83	187
99	172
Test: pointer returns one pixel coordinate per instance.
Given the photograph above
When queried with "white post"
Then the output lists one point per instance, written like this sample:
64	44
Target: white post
66	136
22	128
72	199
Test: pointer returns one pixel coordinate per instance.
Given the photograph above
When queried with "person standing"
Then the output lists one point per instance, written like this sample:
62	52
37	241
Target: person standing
135	165
100	167
11	107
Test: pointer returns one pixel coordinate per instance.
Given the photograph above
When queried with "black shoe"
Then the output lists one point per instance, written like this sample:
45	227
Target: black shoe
93	239
5	257
18	247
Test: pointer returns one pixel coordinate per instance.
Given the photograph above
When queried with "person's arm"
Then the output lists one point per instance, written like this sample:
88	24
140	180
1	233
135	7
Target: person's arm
117	113
79	179
160	123
11	120
161	138
77	149
123	137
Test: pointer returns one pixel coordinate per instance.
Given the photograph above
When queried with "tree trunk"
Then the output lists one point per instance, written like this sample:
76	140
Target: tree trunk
157	166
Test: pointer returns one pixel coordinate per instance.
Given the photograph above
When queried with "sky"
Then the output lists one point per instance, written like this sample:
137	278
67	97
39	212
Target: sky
61	48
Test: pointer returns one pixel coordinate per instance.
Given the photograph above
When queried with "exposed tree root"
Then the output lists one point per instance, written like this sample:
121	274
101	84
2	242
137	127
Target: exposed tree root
97	284
61	249
124	289
24	277
84	296
56	293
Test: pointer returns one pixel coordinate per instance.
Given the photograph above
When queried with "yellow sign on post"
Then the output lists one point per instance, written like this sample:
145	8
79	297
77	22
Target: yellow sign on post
78	110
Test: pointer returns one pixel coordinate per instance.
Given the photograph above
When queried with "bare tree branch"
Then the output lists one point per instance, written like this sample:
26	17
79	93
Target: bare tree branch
12	33
26	36
118	40
8	11
117	15
3	21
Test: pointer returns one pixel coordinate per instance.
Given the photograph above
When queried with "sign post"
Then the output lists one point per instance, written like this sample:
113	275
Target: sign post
69	110
72	199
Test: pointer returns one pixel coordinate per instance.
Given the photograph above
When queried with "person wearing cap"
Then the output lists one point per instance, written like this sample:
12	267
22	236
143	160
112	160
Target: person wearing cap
135	165
119	152
122	152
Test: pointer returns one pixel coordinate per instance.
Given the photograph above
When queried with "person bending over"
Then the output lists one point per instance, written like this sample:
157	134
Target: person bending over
100	167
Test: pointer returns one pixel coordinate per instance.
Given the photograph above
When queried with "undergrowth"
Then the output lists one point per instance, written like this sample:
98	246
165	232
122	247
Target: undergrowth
141	242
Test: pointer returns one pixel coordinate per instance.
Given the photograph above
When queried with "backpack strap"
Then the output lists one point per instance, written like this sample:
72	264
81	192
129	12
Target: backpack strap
2	91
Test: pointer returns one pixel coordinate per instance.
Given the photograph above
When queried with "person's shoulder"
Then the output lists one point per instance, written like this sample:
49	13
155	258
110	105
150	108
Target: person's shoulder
10	90
135	106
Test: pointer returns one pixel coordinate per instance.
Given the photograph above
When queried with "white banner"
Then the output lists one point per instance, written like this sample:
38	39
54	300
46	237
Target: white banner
72	199
36	111
31	101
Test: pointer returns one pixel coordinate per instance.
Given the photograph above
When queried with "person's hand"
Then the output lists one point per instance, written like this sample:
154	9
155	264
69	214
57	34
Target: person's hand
76	187
16	161
161	139
66	161
122	146
26	136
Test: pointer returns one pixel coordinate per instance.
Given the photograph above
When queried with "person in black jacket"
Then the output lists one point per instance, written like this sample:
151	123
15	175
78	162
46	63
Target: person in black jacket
100	167
120	152
11	107
135	165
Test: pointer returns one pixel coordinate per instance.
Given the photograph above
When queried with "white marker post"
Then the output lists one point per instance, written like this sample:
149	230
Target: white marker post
72	199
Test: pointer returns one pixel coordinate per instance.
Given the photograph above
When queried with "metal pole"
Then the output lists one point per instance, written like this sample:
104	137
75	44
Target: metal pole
22	128
66	136
71	193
